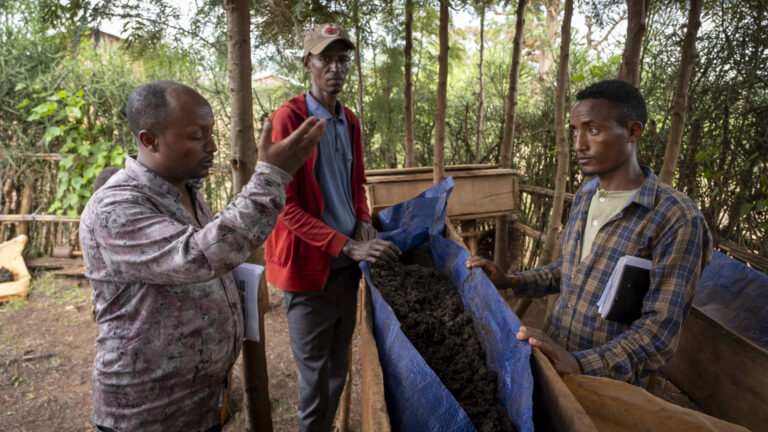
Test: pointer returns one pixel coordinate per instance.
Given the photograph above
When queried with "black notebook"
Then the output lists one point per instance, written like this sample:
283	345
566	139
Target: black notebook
622	299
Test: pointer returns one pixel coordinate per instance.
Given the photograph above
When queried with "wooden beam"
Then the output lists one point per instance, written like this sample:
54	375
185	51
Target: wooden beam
13	218
530	232
531	189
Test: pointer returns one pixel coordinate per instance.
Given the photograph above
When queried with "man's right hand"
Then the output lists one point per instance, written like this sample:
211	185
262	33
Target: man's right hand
290	153
371	250
494	272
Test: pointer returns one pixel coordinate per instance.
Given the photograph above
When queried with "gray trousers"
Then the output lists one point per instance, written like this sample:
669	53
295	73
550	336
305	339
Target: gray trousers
321	326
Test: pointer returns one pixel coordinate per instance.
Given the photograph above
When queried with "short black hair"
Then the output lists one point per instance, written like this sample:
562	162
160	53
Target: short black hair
145	109
623	97
103	176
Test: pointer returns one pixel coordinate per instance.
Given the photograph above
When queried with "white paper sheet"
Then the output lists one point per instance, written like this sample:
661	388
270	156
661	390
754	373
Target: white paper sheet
247	278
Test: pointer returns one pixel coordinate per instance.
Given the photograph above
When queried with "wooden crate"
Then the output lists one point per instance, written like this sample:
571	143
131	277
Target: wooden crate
479	191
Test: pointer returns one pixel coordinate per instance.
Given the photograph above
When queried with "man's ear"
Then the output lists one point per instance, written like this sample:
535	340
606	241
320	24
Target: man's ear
305	60
148	141
635	131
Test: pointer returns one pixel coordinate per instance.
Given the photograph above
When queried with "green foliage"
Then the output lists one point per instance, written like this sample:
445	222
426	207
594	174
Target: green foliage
84	148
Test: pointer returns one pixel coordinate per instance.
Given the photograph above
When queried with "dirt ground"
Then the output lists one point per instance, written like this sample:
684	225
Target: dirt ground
46	359
47	349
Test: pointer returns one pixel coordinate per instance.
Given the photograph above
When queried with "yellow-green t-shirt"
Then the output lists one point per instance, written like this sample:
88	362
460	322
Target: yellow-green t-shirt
604	205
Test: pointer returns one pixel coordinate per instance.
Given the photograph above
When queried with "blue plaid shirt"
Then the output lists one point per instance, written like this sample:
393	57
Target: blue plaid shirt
658	223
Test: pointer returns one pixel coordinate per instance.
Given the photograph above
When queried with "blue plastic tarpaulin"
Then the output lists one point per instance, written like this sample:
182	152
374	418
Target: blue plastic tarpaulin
736	296
416	399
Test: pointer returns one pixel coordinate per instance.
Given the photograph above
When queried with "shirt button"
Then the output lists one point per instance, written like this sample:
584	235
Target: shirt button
601	199
570	304
594	222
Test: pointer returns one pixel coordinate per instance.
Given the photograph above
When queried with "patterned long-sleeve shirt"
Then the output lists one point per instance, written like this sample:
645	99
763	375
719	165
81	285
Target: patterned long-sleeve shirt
658	223
169	314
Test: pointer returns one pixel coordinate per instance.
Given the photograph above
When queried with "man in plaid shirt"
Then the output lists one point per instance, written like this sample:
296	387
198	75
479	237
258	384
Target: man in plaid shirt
623	210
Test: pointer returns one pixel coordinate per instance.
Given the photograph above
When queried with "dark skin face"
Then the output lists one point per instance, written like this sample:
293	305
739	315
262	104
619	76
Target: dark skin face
182	149
328	71
605	147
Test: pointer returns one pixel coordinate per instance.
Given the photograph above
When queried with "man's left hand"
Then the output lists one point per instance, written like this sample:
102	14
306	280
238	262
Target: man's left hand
364	231
563	361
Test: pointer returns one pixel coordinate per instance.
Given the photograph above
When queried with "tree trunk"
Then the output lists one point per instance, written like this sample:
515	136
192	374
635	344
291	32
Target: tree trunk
680	103
442	90
629	70
408	87
358	63
505	158
501	242
243	146
561	139
481	90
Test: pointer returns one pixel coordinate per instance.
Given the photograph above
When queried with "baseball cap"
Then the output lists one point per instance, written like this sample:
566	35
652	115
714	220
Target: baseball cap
323	35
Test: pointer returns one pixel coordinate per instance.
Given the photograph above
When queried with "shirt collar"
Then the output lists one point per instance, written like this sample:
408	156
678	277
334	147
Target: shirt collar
316	109
146	176
644	195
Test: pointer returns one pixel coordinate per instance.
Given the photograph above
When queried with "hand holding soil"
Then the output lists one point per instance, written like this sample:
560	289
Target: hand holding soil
563	361
373	251
364	231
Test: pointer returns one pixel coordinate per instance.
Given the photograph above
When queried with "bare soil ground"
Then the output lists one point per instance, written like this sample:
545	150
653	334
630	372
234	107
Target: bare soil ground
46	359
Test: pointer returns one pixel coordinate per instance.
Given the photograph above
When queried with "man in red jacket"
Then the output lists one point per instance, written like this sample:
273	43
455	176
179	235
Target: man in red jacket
324	230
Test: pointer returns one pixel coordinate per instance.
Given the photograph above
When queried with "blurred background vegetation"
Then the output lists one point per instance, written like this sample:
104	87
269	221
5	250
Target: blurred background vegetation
64	85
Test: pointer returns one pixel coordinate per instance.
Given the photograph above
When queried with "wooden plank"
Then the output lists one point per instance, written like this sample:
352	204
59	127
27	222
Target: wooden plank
554	406
38	218
55	263
723	372
427	176
450	169
542	191
375	417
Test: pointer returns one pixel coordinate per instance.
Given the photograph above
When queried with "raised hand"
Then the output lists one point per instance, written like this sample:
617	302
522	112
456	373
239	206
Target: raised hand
290	153
372	250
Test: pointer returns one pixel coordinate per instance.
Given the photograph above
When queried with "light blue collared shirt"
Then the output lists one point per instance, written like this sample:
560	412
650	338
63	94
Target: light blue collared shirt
333	172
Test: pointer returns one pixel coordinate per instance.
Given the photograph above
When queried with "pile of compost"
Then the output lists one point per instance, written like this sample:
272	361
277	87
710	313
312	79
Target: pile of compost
431	315
5	275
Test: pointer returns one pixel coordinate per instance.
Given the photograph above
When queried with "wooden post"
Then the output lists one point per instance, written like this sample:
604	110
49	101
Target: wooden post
442	91
25	208
243	144
501	241
680	103
561	138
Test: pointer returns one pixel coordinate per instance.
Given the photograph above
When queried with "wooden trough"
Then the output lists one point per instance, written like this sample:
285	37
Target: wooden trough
555	407
723	372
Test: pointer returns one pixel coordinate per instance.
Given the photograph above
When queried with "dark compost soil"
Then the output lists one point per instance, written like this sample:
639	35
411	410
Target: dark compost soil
5	275
432	316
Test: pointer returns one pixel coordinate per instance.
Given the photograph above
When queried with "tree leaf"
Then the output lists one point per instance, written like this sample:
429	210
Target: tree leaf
745	209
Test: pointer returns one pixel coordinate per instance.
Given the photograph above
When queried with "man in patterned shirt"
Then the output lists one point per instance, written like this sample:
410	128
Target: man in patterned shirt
169	314
623	210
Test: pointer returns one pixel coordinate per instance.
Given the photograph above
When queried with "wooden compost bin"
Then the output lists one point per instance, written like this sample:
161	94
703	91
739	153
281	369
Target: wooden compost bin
723	372
480	191
554	406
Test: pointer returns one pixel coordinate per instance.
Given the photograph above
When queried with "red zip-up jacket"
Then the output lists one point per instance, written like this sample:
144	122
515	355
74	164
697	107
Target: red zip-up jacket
299	250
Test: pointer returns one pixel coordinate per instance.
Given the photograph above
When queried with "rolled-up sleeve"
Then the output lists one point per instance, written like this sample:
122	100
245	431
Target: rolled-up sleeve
139	243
